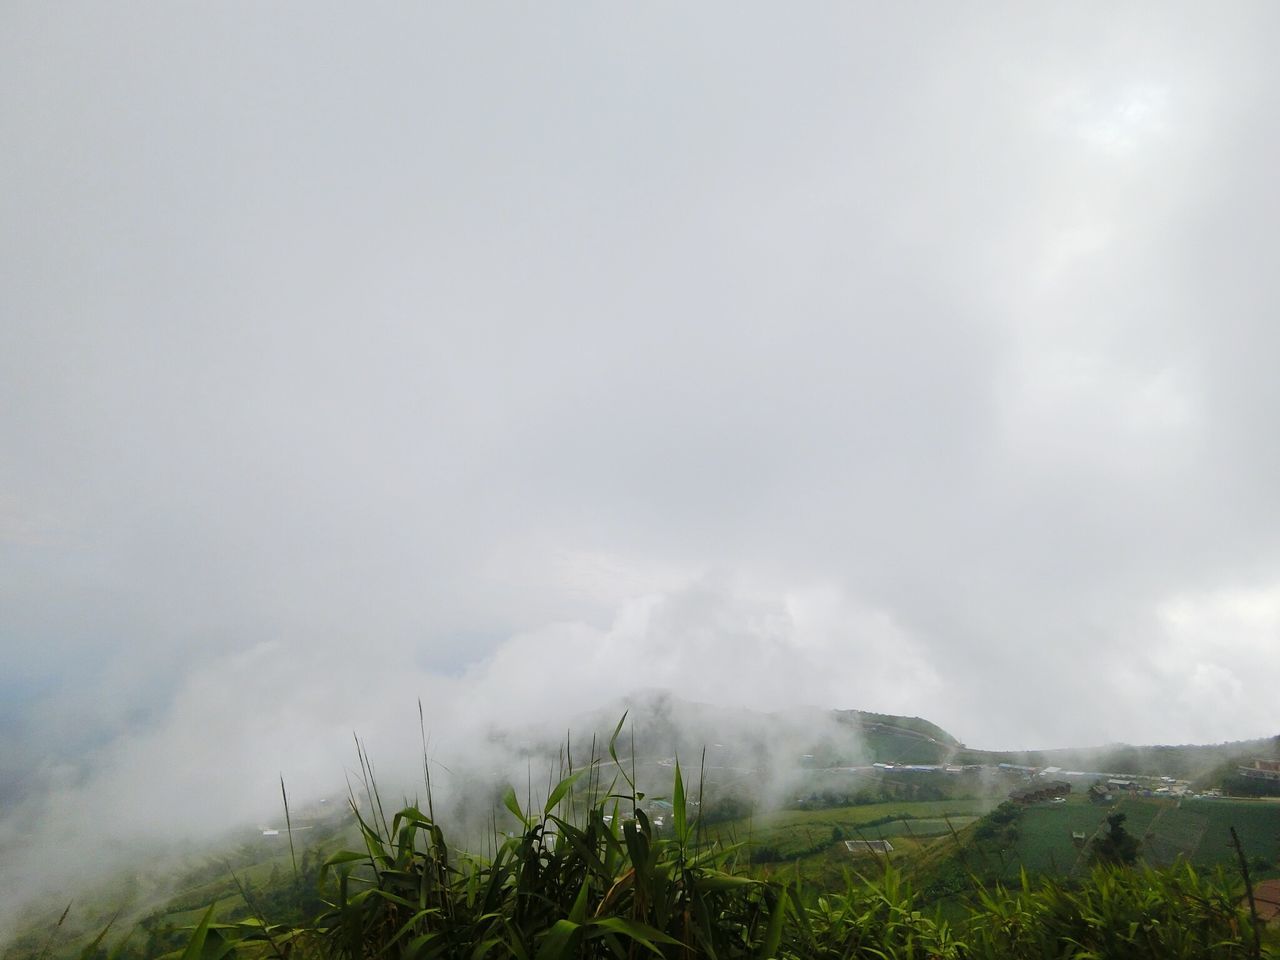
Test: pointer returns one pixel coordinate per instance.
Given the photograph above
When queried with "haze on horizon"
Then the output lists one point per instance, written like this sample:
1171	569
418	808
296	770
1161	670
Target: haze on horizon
914	359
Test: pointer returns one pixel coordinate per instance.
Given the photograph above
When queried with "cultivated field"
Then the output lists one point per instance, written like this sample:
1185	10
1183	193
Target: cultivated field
1195	830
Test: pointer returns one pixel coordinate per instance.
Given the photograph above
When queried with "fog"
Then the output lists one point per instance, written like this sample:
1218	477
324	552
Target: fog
916	360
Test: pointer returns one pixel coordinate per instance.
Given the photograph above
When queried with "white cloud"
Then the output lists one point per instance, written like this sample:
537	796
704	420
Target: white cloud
1115	120
1211	648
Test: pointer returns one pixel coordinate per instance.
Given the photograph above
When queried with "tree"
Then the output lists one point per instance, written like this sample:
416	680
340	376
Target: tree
1117	845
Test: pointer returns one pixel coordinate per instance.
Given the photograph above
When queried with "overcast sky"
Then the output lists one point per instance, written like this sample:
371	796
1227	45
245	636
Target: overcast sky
918	358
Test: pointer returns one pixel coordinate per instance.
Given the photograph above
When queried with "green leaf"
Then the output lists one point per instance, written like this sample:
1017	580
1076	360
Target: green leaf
345	856
637	849
773	935
561	789
558	943
641	933
514	943
118	949
88	951
613	741
678	805
511	803
418	945
714	882
578	913
195	946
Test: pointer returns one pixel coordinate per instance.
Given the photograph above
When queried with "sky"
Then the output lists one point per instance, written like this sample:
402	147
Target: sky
913	358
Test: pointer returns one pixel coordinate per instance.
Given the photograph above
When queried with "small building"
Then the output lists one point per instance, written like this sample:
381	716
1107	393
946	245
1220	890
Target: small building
859	847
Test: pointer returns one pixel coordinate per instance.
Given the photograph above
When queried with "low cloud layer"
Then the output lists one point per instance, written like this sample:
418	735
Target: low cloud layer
908	360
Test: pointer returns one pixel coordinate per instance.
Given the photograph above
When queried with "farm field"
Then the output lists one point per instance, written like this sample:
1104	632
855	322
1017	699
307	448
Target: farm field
793	831
1196	830
1257	823
807	845
922	827
1044	836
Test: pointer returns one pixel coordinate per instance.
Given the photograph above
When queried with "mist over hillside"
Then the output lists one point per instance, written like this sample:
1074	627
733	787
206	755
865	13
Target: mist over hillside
739	765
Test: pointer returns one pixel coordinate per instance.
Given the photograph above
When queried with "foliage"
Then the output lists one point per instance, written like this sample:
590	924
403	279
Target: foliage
1115	912
1239	786
585	875
1000	826
1115	845
631	896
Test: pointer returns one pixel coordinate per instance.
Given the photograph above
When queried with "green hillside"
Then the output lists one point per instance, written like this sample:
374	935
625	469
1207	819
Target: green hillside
598	889
946	828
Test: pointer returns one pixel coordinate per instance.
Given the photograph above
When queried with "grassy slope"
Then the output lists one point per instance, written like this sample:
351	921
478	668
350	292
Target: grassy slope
178	900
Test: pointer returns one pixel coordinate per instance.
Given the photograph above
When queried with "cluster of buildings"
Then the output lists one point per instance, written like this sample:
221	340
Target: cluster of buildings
1040	790
1261	770
1054	784
926	767
1114	783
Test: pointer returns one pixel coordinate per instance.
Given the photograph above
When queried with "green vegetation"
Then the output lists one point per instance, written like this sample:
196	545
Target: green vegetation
1114	845
888	738
586	874
805	837
561	888
1239	786
818	789
601	870
1205	765
1064	840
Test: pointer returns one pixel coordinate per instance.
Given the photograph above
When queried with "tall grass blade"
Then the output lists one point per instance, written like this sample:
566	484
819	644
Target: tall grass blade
288	823
89	951
48	944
